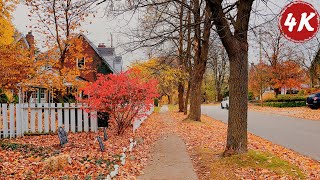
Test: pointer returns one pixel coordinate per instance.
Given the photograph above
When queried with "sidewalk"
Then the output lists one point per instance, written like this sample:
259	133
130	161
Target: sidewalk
170	160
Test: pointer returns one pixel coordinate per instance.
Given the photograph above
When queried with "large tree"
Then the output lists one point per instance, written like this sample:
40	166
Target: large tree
235	41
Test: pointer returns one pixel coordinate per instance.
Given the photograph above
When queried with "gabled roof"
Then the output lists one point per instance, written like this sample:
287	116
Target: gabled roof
23	38
94	47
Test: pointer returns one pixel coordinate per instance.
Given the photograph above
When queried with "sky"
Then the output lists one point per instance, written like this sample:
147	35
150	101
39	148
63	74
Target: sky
101	28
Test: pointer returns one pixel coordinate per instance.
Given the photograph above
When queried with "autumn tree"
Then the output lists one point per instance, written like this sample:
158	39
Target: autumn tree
59	22
15	60
314	69
6	28
168	77
259	79
125	96
289	75
235	41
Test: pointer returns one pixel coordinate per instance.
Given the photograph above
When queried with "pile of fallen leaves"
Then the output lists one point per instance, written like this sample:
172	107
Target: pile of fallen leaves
209	135
299	112
25	158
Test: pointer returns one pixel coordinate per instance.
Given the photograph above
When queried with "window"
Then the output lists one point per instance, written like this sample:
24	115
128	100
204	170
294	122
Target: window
80	63
34	94
42	94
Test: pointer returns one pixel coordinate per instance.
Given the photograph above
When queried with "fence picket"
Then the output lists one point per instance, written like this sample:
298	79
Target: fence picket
86	121
11	109
59	105
5	120
39	105
25	114
79	118
33	117
73	117
53	118
46	117
93	120
66	117
18	120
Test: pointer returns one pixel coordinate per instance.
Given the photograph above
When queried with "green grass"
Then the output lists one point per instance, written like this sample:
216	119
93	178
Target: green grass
224	167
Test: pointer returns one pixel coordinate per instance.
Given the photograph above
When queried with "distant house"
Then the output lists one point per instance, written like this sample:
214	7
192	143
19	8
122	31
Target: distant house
104	61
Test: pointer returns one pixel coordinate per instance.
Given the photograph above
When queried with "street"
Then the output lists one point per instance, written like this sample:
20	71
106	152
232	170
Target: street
297	134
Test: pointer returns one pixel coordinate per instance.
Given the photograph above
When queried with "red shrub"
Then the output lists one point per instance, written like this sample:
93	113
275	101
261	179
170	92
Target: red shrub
125	96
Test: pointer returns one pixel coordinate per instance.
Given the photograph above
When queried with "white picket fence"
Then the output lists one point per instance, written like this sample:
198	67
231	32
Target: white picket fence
17	119
137	123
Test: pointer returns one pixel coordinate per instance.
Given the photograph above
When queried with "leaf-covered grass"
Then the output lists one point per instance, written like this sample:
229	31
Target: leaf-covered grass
254	162
157	109
172	107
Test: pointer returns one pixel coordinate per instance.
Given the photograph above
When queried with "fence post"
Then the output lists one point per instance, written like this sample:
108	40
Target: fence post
46	117
5	120
53	118
66	117
94	122
12	131
85	121
79	129
39	106
25	114
18	120
73	117
59	105
33	117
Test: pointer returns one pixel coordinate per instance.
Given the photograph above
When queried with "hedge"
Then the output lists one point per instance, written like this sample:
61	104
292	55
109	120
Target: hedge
286	98
286	104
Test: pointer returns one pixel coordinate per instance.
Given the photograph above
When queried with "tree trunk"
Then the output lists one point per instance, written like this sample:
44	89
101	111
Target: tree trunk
180	96
195	95
277	91
181	36
187	99
169	99
237	121
201	48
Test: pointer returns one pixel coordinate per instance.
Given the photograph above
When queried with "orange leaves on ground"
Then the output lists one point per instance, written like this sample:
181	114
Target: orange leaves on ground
299	112
27	160
210	134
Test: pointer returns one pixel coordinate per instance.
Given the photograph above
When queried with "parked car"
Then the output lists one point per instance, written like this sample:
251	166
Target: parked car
313	101
225	103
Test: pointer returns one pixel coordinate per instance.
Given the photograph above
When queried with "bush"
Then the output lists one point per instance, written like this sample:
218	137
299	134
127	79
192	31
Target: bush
3	98
286	104
156	102
301	92
286	98
125	97
250	96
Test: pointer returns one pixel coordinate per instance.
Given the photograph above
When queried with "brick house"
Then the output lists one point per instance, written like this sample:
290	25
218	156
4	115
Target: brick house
104	61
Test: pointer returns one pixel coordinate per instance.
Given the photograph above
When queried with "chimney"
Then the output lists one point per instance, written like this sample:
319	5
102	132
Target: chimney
30	40
101	45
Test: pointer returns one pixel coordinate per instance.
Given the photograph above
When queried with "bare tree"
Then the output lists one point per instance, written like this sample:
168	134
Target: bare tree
218	61
236	45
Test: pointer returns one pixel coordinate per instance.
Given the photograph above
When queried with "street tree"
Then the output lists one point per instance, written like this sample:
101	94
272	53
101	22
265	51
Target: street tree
235	41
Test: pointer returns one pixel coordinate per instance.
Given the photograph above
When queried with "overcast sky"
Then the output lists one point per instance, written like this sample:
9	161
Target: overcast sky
102	26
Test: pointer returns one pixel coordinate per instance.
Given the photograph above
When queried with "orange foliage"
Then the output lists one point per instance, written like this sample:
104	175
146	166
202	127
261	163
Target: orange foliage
287	74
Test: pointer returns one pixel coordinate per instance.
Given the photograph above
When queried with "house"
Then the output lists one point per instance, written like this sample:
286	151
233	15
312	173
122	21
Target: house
103	60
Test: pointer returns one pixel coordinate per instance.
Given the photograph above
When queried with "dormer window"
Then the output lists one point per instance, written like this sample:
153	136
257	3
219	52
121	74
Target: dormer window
80	63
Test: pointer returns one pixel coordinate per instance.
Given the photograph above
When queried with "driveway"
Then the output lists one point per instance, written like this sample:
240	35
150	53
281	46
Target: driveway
297	134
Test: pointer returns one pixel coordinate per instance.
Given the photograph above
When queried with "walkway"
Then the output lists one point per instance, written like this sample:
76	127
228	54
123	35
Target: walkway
170	160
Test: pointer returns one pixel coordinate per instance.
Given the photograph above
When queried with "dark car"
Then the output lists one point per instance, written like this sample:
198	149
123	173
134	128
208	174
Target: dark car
313	101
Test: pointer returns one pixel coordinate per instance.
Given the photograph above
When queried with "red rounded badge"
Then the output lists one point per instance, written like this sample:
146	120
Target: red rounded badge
299	21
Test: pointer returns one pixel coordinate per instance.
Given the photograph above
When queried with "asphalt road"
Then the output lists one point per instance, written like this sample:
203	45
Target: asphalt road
300	135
